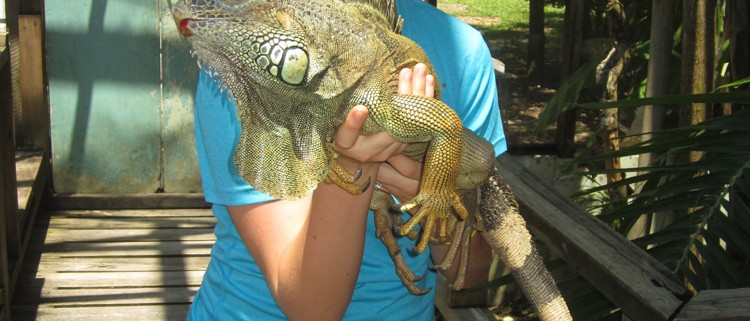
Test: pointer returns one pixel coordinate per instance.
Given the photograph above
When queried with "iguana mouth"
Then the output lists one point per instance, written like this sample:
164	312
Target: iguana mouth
183	25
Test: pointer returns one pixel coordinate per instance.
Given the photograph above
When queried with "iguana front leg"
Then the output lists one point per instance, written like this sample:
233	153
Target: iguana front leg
420	119
340	176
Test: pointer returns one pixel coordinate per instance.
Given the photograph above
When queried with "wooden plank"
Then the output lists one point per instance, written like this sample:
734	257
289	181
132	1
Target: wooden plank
8	198
131	223
33	283
629	277
137	295
172	312
113	264
128	201
193	234
35	115
138	213
28	163
172	248
717	305
442	302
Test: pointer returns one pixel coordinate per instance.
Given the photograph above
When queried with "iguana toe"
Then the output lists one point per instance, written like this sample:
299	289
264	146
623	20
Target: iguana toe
435	208
347	181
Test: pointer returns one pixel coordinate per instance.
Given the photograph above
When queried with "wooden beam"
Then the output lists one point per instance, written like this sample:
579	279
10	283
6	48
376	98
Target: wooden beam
35	120
443	304
630	278
717	305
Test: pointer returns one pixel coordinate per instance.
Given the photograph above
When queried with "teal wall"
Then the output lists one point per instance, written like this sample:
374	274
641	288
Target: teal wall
121	86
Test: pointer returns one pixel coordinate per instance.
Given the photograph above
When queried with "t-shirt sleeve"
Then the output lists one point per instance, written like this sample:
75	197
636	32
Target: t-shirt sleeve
480	110
217	131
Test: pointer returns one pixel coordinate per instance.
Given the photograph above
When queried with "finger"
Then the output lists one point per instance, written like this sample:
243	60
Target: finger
406	166
404	82
347	133
404	188
418	79
429	86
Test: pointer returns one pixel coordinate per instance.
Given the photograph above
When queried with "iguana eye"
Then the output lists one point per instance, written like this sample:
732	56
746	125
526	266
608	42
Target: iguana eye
294	66
286	60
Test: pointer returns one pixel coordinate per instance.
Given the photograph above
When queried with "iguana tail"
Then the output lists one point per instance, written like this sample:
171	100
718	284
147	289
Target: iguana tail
505	230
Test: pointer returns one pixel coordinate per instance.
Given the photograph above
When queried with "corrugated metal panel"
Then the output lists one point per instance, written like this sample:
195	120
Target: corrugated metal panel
113	130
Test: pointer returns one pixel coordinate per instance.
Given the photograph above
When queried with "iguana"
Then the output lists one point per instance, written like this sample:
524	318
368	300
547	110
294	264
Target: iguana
295	68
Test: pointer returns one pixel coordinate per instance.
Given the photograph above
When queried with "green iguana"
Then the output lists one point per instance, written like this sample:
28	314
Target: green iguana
295	68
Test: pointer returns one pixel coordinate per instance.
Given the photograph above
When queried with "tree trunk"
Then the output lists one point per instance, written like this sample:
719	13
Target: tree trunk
738	14
697	57
651	118
608	73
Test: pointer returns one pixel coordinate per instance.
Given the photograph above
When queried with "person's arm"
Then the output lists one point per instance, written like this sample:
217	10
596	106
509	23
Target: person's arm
310	250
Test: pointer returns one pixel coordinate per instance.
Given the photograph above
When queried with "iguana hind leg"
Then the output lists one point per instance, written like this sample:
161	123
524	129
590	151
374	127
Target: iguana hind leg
385	222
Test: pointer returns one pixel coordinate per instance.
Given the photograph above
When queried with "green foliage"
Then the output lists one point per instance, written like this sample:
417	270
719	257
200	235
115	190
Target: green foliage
708	243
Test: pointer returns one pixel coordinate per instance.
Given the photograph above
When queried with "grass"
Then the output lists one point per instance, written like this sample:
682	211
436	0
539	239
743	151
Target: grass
513	14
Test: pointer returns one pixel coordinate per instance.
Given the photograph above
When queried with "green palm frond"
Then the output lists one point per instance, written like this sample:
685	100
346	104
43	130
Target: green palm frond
708	243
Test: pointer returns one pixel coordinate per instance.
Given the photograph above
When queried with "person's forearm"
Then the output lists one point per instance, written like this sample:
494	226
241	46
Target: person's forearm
313	267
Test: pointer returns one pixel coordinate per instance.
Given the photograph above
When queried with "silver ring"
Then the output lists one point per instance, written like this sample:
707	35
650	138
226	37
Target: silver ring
378	186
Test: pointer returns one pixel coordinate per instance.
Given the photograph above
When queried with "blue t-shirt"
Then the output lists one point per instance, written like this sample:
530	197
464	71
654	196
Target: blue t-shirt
233	287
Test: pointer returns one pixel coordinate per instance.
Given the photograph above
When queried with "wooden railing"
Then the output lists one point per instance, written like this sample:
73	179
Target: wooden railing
24	169
8	200
629	277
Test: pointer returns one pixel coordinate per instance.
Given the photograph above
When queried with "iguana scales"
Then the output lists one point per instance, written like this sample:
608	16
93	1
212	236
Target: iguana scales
295	68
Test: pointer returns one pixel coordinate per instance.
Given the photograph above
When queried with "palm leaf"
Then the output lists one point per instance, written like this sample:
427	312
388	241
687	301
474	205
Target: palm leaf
708	244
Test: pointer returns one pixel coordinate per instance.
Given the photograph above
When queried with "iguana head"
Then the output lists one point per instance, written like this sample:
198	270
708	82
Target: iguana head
293	68
231	35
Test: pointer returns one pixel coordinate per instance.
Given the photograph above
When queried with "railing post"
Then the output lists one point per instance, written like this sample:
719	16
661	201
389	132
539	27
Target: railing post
8	198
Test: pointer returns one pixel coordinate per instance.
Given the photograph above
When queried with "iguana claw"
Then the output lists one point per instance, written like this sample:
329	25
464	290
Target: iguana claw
435	208
341	177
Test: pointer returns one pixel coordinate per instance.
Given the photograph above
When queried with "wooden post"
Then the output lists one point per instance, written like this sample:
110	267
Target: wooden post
570	61
536	40
35	115
8	199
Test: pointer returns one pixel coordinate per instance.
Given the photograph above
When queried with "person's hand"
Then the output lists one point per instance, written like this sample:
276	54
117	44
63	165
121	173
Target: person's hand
398	174
349	142
379	147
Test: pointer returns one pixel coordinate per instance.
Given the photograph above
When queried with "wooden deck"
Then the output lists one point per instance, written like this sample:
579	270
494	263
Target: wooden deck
114	265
